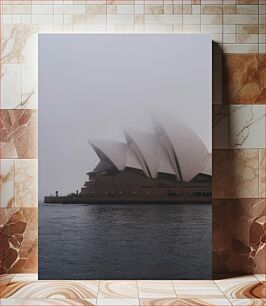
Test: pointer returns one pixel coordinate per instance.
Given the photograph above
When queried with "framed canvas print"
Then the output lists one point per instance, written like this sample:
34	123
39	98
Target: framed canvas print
124	156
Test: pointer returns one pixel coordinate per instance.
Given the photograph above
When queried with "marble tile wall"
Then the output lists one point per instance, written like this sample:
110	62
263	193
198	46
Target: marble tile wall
240	241
237	28
18	179
18	232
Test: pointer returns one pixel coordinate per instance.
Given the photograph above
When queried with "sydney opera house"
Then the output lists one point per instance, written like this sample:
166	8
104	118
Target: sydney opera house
171	164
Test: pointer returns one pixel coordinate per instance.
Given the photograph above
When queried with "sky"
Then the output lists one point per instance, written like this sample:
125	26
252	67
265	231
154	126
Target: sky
94	85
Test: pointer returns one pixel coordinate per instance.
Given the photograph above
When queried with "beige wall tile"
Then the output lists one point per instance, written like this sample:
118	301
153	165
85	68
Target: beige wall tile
229	9
10	85
139	28
7	19
217	37
153	9
240	19
211	28
168	9
262	28
26	183
163	19
262	9
178	28
78	19
96	28
211	19
16	19
262	176
247	1
58	9
42	9
159	2
79	9
212	9
79	28
68	19
191	28
247	9
240	48
125	28
160	28
229	38
187	9
98	19
262	49
217	2
248	28
7	183
178	9
29	91
111	10
139	8
120	19
19	45
246	38
139	19
96	9
191	19
262	38
26	19
68	8
6	9
42	19
229	29
21	9
125	9
58	19
195	9
229	2
247	126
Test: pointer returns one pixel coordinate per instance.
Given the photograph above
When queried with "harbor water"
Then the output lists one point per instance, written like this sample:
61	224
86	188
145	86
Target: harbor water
116	241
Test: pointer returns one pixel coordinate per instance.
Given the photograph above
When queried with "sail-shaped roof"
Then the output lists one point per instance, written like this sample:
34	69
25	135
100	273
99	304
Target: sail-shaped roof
174	149
147	147
113	151
188	149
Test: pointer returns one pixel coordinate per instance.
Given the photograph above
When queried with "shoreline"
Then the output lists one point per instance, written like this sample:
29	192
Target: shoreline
102	201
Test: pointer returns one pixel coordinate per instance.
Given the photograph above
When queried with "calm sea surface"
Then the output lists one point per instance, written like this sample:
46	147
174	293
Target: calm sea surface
148	241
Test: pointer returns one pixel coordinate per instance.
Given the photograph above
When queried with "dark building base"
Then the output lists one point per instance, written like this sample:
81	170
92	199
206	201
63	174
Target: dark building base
88	200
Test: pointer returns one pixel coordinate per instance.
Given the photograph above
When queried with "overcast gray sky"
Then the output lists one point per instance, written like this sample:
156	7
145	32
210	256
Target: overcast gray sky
94	85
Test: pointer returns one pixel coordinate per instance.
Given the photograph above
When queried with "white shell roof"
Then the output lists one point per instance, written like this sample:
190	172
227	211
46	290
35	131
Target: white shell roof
114	150
173	149
189	150
147	146
132	160
208	167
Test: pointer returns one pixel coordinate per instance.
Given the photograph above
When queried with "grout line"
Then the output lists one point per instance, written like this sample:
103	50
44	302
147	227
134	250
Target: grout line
138	292
220	289
98	288
175	289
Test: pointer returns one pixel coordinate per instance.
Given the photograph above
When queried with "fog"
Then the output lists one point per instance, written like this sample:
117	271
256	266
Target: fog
94	85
